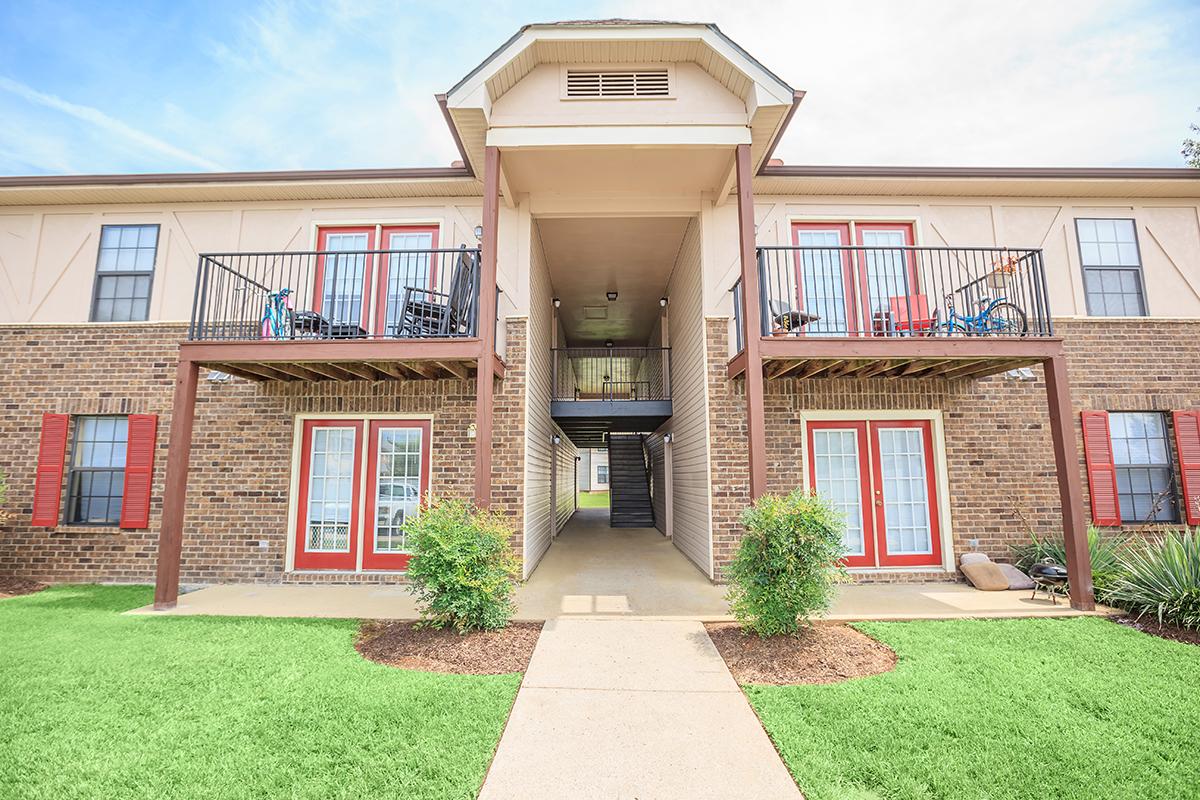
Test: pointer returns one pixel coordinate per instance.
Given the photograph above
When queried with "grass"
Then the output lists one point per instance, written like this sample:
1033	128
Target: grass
1047	708
593	499
96	704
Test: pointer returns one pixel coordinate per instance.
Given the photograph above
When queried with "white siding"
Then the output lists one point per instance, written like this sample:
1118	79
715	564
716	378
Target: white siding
565	482
658	480
539	427
691	485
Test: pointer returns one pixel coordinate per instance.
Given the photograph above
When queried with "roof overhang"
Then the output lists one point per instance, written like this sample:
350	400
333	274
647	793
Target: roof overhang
769	101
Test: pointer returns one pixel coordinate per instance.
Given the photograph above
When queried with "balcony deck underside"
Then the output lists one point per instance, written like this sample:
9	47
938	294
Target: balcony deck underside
585	422
797	357
372	360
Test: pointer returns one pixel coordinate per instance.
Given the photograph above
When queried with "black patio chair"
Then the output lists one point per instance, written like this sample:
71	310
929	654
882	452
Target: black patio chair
428	313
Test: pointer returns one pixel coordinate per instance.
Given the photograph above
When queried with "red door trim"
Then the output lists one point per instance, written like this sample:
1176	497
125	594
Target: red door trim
385	262
373	560
920	559
864	483
848	294
368	267
331	561
864	288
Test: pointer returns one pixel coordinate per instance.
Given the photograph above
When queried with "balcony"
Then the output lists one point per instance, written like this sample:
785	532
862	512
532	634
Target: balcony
338	315
854	311
599	390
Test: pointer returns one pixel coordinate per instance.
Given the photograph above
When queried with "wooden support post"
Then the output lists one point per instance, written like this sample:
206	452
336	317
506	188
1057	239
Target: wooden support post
751	326
484	388
1066	464
179	444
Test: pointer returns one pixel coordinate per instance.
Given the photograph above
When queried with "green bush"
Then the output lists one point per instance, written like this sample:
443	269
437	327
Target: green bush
1106	554
785	569
1162	579
462	569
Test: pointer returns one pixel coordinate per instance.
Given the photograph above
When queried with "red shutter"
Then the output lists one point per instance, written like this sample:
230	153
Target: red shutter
139	471
52	455
1187	446
1101	472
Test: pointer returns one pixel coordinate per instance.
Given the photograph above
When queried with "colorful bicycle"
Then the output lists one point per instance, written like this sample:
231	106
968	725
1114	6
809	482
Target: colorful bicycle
278	316
996	317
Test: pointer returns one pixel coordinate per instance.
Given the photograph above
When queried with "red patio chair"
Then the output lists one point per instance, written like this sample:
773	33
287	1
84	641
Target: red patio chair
921	321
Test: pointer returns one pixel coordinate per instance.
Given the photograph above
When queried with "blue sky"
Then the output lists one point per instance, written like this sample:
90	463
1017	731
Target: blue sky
286	84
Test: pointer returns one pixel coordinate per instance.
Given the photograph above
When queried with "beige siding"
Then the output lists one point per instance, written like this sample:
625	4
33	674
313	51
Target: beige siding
48	253
565	490
1168	234
689	422
539	427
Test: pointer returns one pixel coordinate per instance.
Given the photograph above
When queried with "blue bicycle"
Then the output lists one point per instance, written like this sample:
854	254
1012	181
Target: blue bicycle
277	318
995	318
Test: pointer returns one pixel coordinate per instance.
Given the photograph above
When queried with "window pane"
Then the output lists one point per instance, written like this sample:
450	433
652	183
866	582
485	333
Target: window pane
129	249
1145	482
97	476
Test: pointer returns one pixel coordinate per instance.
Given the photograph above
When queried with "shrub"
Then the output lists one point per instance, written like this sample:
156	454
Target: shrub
462	569
785	569
1106	553
1162	579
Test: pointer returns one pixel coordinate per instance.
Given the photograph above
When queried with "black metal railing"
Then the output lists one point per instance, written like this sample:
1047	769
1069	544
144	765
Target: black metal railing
611	373
900	291
325	294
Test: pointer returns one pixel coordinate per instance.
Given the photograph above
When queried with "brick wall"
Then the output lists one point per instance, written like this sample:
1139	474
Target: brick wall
238	488
998	453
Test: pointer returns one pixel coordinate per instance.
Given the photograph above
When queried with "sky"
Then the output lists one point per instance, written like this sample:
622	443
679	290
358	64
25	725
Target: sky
212	85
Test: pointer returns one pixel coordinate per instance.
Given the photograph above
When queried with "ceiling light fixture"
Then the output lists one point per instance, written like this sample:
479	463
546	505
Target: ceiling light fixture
612	296
608	343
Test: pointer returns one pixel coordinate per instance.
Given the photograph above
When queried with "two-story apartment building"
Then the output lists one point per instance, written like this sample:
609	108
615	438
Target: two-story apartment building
260	376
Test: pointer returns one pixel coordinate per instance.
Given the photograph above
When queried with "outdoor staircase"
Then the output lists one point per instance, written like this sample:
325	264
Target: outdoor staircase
629	483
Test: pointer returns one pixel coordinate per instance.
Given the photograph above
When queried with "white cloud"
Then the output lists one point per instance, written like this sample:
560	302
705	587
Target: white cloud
97	118
1018	82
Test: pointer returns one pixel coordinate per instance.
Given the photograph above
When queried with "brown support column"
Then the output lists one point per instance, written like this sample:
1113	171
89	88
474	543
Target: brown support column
484	387
179	450
751	327
1066	464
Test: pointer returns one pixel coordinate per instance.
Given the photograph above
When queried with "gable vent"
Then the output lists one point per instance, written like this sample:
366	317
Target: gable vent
634	83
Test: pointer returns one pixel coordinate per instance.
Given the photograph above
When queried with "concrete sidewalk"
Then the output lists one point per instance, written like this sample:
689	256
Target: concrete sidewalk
621	709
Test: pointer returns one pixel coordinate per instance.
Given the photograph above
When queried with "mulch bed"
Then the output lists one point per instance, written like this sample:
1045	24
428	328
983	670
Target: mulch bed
825	653
11	587
400	644
1150	626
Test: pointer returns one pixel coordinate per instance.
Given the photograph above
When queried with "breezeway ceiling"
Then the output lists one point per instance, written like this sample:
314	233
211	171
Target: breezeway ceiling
632	256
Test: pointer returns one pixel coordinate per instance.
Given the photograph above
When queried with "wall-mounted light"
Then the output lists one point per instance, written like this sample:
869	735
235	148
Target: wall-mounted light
479	232
471	431
667	438
557	302
556	439
612	296
662	301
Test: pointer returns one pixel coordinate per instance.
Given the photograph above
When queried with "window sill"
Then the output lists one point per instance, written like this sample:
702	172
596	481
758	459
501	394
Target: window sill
87	530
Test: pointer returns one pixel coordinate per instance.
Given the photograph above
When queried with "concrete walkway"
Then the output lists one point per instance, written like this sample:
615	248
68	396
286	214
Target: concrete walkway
621	709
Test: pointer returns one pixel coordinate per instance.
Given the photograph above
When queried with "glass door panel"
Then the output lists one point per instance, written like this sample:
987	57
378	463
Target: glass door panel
838	472
822	279
405	270
904	495
326	536
398	466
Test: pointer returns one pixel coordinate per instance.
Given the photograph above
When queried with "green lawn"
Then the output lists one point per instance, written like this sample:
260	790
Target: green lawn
95	704
593	499
1067	708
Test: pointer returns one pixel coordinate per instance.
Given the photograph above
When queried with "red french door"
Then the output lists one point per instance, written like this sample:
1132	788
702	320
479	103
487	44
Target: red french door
360	482
398	464
824	278
881	475
327	521
342	283
887	278
400	271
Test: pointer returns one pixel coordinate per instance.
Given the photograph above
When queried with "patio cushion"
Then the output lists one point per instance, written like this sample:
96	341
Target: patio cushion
974	558
1016	578
987	577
